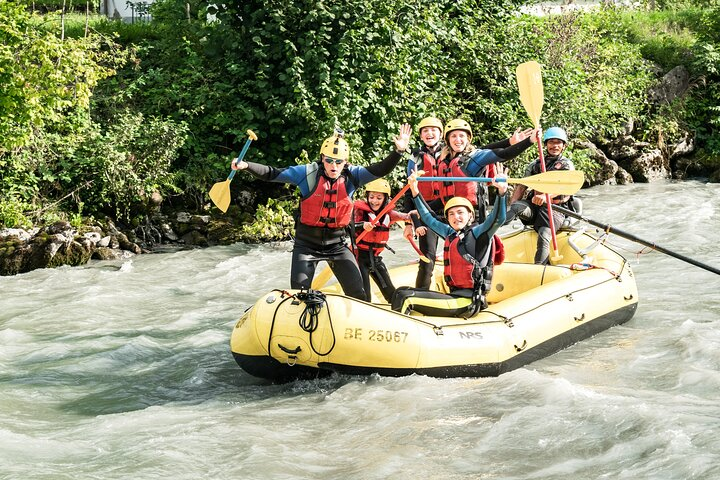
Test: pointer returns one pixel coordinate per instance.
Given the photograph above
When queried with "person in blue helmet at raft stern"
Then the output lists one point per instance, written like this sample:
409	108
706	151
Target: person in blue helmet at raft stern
326	207
529	205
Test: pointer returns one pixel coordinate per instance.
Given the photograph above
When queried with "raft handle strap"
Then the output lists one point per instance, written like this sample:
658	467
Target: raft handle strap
294	351
584	251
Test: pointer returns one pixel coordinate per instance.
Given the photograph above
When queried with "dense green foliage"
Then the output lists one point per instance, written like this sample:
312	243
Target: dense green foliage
55	156
294	72
668	38
97	121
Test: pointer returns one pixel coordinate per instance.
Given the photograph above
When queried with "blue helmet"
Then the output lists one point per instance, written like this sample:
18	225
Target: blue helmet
555	132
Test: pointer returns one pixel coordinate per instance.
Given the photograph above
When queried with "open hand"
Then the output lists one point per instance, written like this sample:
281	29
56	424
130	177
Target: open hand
402	140
519	136
535	134
500	174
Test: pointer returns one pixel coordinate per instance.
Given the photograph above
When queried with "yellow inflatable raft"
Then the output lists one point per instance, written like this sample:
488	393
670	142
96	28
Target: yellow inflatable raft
533	311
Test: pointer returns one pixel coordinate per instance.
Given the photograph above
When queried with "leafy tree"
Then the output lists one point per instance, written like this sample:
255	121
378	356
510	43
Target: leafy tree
53	153
44	78
98	121
294	72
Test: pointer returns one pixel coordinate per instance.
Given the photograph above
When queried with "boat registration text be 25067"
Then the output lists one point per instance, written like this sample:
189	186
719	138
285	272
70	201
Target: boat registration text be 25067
389	336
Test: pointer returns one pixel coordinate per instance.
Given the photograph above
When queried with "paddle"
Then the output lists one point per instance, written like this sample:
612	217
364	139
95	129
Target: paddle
220	192
633	238
532	96
417	249
388	207
560	182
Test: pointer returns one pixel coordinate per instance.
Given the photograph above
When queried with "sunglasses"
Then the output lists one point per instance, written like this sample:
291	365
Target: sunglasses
336	161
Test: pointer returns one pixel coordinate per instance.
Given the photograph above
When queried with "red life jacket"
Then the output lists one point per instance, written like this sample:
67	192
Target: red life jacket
378	237
461	269
489	171
429	190
329	205
456	189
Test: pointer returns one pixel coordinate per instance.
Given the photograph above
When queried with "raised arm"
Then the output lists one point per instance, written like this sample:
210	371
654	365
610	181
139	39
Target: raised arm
517	136
498	215
481	158
294	174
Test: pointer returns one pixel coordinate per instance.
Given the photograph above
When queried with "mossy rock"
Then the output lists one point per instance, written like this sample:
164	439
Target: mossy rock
74	254
224	232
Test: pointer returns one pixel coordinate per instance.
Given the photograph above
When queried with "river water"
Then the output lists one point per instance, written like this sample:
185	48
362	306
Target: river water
122	369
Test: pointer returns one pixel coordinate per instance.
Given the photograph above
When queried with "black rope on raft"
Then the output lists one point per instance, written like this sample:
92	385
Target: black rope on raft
310	318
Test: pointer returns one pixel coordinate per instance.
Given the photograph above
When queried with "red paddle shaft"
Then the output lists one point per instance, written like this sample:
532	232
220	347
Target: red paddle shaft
417	249
547	197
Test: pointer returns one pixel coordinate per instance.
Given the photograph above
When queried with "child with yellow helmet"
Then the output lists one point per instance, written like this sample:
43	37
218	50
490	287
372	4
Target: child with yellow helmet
326	204
375	241
468	255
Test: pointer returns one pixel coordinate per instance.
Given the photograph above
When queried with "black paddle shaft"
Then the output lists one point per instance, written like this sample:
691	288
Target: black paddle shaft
631	237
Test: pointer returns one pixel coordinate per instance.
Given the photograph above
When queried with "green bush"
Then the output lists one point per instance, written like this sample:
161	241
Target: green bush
11	212
133	156
273	221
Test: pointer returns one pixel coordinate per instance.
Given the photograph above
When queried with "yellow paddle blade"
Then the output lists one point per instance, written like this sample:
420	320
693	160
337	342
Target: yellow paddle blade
220	195
321	278
557	182
529	79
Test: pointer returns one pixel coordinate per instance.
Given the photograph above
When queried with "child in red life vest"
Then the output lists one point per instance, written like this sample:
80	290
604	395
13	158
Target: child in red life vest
375	241
468	255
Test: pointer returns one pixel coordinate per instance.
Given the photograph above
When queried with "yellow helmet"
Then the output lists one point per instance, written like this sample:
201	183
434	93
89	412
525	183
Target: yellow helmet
430	122
380	185
459	202
336	146
457	124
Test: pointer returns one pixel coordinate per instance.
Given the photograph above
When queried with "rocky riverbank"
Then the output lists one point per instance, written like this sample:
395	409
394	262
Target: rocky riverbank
63	244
